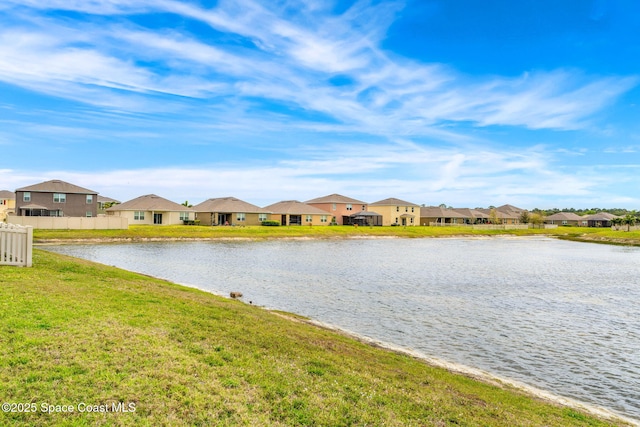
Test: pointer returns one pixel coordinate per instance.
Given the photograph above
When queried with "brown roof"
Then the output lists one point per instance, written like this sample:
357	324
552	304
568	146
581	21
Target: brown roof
228	204
438	212
33	206
502	213
150	202
392	202
57	186
336	198
510	209
294	207
103	199
471	213
564	216
600	216
6	194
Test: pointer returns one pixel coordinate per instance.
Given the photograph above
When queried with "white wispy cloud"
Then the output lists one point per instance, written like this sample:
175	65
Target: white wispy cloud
290	59
314	86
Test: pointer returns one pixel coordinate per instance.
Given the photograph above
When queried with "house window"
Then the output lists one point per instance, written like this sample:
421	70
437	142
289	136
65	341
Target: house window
59	198
564	222
396	220
240	217
323	218
262	217
364	207
406	209
397	209
349	206
333	207
411	221
26	197
89	214
184	216
584	222
55	213
89	199
138	216
309	218
411	208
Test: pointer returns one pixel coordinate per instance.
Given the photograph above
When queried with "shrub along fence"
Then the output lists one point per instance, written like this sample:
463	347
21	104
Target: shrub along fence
16	245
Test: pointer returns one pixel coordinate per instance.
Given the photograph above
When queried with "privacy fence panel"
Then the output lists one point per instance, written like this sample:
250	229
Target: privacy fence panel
16	245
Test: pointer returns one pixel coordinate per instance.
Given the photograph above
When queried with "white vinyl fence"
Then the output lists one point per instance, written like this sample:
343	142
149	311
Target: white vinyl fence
16	245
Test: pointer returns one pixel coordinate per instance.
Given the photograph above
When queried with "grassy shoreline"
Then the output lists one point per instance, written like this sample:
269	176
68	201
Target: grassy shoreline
152	233
74	332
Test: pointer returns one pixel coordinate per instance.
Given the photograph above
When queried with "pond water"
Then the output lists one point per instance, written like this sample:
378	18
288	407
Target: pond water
555	315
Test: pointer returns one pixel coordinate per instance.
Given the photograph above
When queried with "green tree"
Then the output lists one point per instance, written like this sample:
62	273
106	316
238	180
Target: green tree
629	220
536	220
493	217
617	222
524	217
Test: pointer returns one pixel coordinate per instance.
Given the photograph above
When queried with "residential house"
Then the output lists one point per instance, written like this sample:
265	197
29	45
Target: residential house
56	198
152	209
566	218
600	219
506	214
105	203
511	211
229	211
472	216
7	203
397	212
435	215
338	206
293	212
363	218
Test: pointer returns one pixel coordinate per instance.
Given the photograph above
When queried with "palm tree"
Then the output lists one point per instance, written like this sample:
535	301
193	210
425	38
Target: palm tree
617	222
629	220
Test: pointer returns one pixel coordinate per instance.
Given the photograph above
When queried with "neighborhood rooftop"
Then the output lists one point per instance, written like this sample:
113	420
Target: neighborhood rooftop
336	198
57	186
227	204
56	198
149	202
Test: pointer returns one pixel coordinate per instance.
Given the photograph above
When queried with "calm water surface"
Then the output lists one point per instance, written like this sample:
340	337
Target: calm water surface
559	316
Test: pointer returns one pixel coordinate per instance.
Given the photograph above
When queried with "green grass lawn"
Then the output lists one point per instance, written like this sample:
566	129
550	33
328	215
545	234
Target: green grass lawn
73	332
141	232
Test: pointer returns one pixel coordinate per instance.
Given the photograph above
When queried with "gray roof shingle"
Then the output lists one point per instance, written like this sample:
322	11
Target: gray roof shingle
57	186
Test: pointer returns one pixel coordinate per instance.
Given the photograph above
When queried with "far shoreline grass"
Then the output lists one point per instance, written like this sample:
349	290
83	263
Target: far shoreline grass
74	331
140	233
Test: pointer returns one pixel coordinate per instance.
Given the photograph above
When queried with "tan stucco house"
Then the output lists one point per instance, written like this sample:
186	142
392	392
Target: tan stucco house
105	203
397	212
152	209
600	219
7	203
56	198
436	215
566	218
229	211
472	216
338	206
293	212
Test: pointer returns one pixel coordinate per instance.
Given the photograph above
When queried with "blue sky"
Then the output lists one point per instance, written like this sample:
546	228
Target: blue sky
469	103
